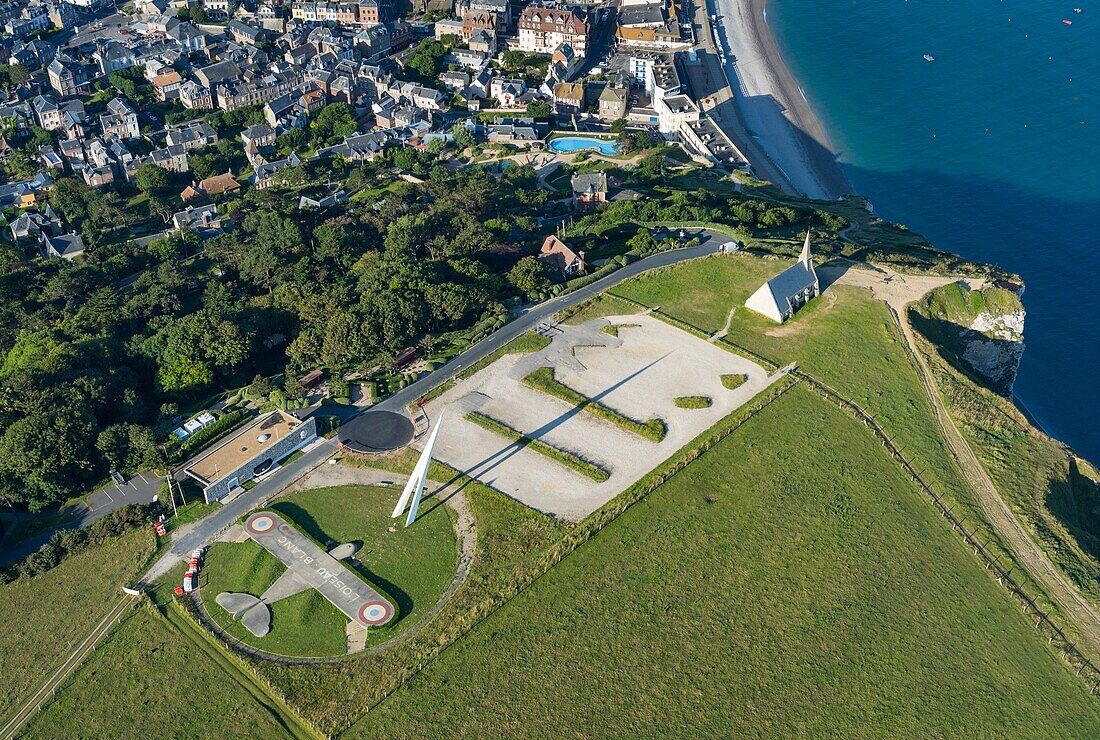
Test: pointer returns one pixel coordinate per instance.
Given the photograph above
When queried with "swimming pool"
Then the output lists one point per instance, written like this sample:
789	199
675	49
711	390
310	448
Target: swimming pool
571	144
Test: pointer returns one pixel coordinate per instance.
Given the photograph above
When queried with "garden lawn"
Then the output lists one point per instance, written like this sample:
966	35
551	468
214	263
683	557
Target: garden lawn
147	678
411	566
46	615
789	582
701	292
304	624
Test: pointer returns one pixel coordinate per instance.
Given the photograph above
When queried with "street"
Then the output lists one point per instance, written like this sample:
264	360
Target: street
140	489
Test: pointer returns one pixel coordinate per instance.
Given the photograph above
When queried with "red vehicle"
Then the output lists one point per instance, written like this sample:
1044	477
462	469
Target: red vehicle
407	355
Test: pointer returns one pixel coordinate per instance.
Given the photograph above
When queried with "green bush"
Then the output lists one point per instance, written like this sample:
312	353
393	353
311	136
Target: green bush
543	380
566	458
203	437
68	542
694	402
734	380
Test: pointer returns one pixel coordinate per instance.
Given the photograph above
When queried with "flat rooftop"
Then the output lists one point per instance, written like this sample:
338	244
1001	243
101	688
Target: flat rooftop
240	447
666	77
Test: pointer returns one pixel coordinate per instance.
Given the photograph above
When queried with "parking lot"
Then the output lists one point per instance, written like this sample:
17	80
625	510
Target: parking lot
139	489
639	373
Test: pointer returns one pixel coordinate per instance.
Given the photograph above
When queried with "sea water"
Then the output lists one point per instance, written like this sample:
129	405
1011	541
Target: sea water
992	151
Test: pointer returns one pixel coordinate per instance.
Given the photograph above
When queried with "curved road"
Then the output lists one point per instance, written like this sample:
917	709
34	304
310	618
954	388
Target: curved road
208	528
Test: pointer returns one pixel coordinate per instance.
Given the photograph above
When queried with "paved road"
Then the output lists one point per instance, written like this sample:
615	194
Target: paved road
208	528
138	490
601	39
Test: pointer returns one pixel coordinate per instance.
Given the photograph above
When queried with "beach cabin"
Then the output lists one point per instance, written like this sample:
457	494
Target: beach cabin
790	290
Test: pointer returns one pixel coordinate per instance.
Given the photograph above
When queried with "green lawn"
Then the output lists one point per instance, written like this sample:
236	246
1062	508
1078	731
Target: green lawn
45	615
148	679
790	582
702	292
412	566
303	624
510	540
605	304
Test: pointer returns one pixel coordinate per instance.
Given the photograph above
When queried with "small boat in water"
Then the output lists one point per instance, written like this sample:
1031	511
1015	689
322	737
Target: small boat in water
929	58
1067	21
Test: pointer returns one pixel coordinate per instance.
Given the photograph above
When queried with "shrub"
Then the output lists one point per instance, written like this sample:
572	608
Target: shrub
68	542
203	437
694	402
566	458
543	380
734	381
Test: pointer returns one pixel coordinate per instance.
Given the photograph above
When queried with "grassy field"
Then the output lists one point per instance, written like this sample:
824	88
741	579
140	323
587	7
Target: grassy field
44	616
789	582
605	304
845	338
303	624
702	292
1053	492
149	677
411	566
543	380
566	458
510	539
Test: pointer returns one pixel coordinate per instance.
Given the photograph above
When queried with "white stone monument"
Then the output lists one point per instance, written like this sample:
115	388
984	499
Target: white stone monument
415	487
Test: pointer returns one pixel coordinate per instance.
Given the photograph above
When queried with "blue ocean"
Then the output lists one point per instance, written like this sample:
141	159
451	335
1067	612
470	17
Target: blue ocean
991	150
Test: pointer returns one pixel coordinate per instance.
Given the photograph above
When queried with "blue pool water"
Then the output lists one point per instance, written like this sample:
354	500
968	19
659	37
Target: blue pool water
992	151
570	144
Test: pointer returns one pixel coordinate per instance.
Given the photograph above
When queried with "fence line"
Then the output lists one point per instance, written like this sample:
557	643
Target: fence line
1085	669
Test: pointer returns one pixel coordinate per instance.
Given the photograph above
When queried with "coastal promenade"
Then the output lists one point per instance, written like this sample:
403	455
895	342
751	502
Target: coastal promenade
707	80
772	116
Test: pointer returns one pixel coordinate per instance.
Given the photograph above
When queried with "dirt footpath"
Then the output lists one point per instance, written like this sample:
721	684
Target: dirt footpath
898	291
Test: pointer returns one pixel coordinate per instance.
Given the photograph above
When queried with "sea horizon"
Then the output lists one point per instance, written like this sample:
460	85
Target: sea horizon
988	150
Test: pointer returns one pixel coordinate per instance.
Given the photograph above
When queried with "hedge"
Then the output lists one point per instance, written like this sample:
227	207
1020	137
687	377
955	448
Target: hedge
226	423
566	458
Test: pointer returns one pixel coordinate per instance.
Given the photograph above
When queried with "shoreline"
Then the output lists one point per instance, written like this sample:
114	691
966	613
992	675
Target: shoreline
772	103
792	137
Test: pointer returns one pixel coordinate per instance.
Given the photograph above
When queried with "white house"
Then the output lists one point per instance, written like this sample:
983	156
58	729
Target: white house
790	290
